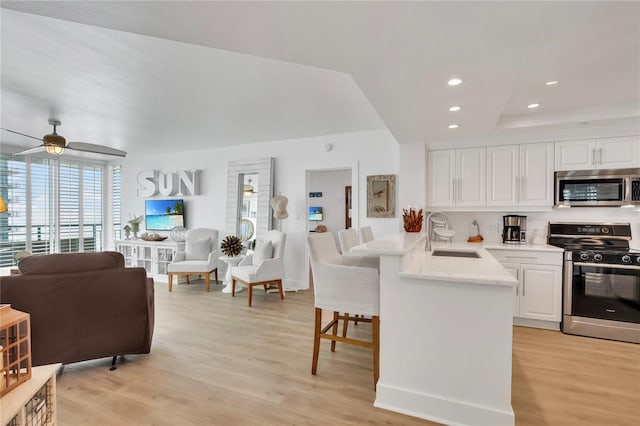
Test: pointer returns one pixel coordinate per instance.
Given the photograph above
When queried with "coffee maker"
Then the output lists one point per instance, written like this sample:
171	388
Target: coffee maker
514	229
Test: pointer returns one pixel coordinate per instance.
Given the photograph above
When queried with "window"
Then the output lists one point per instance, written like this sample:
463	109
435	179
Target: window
55	205
116	203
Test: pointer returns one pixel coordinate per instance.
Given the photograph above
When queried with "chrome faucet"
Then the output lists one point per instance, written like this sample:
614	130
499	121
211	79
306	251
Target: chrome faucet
430	229
427	245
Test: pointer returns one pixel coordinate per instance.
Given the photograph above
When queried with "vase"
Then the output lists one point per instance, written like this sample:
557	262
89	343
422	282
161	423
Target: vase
412	220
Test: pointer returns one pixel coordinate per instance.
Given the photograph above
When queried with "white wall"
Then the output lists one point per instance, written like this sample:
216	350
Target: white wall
366	153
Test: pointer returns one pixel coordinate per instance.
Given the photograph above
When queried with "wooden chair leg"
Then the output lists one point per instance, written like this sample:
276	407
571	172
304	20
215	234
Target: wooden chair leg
216	272
250	293
187	275
375	328
206	281
335	330
266	286
170	281
233	287
280	289
345	325
316	340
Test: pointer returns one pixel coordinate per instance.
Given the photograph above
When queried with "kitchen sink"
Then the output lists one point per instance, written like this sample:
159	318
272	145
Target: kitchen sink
456	253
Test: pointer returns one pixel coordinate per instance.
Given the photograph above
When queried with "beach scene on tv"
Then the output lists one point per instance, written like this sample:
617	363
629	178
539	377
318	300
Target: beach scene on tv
163	215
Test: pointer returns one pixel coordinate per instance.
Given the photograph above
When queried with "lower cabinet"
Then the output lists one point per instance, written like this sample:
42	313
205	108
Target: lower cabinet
154	256
538	296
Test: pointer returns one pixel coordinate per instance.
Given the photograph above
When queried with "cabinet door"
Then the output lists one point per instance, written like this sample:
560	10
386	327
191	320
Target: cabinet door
127	251
470	188
164	256
575	155
145	257
540	296
536	174
620	152
502	175
441	172
514	269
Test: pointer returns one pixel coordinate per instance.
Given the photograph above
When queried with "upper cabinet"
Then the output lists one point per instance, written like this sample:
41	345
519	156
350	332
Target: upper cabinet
456	177
606	153
520	175
492	177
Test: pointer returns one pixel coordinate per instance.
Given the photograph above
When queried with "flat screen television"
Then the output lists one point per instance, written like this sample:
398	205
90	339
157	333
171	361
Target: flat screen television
315	213
163	215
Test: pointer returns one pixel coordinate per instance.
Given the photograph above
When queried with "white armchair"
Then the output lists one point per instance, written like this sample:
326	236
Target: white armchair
263	267
344	289
199	258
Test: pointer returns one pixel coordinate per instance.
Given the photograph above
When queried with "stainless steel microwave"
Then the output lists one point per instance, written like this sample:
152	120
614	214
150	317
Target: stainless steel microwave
597	188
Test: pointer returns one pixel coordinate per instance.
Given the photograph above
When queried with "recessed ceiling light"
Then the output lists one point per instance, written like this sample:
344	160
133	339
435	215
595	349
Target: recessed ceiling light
551	83
455	108
453	126
454	82
531	106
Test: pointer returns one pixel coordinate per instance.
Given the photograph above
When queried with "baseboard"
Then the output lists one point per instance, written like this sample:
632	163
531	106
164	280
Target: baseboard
440	409
528	322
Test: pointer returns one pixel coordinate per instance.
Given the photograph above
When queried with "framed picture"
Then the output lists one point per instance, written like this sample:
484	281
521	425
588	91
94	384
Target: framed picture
381	196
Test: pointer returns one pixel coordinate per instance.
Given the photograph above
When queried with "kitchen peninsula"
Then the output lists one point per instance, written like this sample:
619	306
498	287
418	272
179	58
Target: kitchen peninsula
445	331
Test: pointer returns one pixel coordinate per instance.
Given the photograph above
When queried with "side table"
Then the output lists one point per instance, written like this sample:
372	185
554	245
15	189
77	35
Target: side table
231	262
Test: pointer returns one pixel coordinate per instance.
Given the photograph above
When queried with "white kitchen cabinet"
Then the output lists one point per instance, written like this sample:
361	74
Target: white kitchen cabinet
153	256
537	300
605	153
457	177
541	292
520	175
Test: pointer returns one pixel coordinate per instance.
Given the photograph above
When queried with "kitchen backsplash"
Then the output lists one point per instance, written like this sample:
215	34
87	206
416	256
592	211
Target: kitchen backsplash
491	222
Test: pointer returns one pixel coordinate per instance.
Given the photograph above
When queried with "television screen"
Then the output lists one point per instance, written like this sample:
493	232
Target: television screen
163	215
315	213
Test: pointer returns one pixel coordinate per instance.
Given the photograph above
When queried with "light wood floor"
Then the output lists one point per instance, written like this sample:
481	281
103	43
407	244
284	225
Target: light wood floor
215	361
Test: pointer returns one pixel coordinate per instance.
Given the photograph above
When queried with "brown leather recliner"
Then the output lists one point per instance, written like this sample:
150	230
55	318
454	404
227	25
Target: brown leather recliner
82	305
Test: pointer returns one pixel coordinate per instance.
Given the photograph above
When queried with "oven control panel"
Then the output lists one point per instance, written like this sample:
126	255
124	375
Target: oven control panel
635	190
613	258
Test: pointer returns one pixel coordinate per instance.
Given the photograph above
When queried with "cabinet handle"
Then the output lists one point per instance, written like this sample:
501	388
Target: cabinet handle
593	154
523	188
523	284
600	156
459	189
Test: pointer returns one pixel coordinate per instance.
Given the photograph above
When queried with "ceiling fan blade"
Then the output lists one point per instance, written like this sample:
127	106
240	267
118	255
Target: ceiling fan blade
22	134
31	151
96	149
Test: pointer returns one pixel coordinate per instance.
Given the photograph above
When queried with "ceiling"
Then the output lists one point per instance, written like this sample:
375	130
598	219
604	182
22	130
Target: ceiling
155	75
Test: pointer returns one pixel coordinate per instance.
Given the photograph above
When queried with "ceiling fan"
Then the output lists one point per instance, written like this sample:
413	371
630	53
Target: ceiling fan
56	144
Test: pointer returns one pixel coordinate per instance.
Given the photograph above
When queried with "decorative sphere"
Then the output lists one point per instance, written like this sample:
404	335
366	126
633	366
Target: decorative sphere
231	246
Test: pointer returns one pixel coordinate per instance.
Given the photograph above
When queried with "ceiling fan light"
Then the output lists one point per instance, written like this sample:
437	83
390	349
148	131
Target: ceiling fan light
54	144
54	149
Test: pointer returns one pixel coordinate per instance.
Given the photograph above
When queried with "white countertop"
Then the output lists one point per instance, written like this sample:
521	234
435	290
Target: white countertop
529	247
417	263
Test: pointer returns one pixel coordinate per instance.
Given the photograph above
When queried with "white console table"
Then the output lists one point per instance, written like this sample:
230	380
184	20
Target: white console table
154	256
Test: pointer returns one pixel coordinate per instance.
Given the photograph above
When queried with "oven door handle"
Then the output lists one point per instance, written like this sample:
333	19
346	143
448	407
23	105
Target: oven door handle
606	265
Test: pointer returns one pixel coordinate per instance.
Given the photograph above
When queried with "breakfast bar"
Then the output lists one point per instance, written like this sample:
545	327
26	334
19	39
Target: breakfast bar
445	331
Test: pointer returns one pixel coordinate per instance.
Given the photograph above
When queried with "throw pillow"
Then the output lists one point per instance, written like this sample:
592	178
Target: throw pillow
263	250
197	249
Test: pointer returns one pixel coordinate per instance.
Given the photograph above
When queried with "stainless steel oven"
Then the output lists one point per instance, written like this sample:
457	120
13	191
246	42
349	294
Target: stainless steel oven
602	300
601	283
